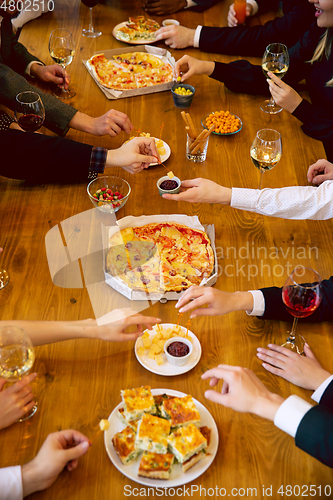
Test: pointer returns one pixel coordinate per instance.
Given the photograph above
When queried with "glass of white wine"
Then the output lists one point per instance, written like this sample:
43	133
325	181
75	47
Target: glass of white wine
4	276
17	356
266	150
275	60
62	50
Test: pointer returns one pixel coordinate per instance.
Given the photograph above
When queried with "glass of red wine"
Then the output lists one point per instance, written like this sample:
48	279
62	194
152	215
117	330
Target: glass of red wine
90	32
29	111
301	294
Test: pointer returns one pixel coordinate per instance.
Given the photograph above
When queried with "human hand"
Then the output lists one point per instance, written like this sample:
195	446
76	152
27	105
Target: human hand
134	155
304	371
114	331
16	400
111	123
320	171
52	73
284	95
232	19
202	191
160	7
177	37
59	450
217	302
188	66
242	391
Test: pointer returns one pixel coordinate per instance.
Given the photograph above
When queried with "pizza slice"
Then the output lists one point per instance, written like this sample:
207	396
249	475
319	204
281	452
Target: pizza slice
154	76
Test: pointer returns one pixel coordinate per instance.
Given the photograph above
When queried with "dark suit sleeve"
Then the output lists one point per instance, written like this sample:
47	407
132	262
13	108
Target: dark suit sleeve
327	397
252	40
41	159
57	114
275	308
315	434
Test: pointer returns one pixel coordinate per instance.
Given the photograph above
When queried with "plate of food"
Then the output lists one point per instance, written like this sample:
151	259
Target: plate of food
147	432
149	349
162	147
136	31
225	122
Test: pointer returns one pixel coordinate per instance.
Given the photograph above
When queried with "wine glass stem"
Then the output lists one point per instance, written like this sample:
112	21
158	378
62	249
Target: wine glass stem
261	178
91	27
292	334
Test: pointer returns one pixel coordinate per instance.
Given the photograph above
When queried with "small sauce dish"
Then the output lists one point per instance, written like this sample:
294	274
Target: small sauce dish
181	345
170	22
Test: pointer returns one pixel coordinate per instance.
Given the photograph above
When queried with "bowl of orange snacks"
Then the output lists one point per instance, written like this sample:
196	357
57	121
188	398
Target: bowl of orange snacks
225	122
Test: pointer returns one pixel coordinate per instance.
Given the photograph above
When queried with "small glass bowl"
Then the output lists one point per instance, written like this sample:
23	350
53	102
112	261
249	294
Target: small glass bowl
182	101
203	123
178	361
168	191
109	182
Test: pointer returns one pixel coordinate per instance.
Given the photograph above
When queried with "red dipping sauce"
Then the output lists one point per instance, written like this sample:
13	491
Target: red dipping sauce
178	349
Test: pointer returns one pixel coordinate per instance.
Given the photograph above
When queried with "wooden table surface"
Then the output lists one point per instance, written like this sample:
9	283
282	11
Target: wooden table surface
80	381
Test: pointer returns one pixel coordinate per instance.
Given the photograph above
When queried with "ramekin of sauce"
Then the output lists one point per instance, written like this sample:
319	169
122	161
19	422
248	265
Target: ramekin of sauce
178	350
167	185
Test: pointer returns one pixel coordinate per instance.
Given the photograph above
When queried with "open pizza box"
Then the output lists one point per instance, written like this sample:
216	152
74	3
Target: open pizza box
117	94
116	282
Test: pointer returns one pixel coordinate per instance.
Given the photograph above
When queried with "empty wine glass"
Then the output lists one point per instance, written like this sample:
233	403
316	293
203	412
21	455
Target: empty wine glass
62	50
90	32
17	356
266	150
275	60
301	294
29	111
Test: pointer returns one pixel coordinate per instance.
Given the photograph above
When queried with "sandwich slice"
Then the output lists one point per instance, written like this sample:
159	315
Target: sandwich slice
156	465
152	434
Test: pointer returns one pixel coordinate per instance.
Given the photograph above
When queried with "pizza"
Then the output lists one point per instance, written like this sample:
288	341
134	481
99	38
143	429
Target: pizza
130	71
160	257
137	29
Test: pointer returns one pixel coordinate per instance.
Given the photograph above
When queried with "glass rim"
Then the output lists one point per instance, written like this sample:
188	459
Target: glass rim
64	30
282	45
269	130
305	285
17	329
27	92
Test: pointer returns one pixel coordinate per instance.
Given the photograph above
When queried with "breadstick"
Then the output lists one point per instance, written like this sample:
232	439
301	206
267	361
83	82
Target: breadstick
187	127
191	124
203	138
184	117
203	135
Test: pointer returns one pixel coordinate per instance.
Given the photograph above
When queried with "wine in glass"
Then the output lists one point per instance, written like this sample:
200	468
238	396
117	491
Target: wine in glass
17	356
29	111
301	294
90	32
275	60
62	50
266	150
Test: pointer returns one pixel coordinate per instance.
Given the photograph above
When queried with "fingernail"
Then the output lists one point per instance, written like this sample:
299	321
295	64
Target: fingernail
85	445
307	345
259	355
270	345
181	310
193	316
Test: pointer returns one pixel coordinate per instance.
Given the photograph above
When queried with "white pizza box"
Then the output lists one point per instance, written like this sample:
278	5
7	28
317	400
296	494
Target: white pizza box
156	51
131	221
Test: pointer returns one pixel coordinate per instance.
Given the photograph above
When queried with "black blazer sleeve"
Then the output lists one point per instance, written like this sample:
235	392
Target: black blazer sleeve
252	40
41	159
275	308
315	432
327	397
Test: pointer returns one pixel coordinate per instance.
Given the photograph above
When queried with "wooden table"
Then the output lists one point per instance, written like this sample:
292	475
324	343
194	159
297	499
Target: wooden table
80	381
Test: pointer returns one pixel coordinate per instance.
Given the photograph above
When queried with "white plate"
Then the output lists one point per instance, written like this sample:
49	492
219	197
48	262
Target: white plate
168	370
138	41
167	153
178	477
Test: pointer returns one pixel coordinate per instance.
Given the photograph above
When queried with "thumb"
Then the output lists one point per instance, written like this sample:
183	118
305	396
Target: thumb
216	397
308	353
321	178
77	451
2	383
148	159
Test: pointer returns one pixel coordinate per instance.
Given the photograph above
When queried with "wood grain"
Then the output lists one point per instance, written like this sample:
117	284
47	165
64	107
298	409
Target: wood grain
80	381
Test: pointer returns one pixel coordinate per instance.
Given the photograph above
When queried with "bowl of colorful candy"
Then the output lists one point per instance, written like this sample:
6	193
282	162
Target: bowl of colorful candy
108	193
182	94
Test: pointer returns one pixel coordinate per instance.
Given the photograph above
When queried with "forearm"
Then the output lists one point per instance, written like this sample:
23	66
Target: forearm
241	76
48	332
83	122
268	406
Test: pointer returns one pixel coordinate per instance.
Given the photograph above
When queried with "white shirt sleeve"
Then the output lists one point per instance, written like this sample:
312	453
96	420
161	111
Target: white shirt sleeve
27	69
295	202
258	303
29	12
317	395
254	5
190	3
11	483
197	36
290	414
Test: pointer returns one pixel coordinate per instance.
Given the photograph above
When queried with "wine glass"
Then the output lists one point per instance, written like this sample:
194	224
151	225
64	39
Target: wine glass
301	294
62	50
4	276
275	60
29	111
17	356
90	32
266	150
